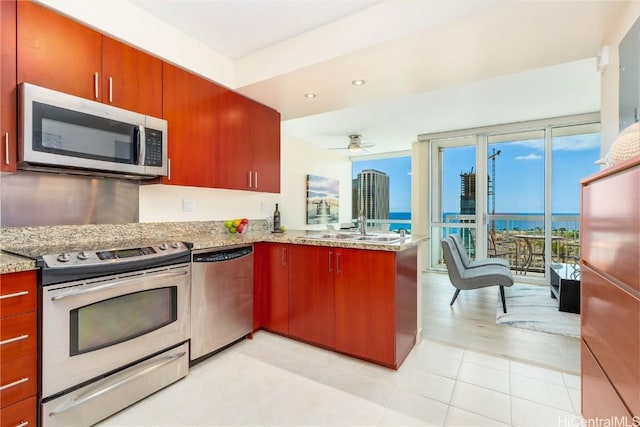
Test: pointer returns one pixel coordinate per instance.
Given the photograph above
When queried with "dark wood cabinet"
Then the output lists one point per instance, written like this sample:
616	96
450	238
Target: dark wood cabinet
18	348
250	144
8	95
610	292
64	55
191	106
312	294
355	301
131	79
217	137
271	274
365	304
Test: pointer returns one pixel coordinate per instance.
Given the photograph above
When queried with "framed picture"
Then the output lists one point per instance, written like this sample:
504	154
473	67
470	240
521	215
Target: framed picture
323	205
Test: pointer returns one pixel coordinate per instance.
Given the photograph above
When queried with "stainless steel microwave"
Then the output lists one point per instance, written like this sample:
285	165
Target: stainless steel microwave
58	130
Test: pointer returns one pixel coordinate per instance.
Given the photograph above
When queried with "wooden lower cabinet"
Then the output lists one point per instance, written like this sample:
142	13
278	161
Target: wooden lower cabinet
311	294
365	305
18	349
610	295
358	302
22	413
599	397
271	273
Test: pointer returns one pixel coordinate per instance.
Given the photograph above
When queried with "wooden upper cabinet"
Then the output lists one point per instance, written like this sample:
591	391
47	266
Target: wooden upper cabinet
265	147
191	106
57	53
233	144
250	144
61	54
131	79
8	96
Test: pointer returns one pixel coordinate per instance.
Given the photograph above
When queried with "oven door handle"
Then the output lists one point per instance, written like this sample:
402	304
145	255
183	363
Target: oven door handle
115	284
92	394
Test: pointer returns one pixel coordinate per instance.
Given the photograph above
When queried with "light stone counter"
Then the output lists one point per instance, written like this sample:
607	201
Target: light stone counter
13	264
34	241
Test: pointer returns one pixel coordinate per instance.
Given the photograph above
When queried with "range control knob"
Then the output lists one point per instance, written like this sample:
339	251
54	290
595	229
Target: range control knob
83	256
175	245
163	247
64	257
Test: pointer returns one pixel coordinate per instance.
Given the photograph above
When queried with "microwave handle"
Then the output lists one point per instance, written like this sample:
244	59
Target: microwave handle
140	145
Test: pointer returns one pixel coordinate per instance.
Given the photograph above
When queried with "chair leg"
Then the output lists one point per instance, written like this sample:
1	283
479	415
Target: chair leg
454	297
504	305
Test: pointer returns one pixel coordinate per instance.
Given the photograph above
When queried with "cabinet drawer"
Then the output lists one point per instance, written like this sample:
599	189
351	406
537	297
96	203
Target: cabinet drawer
17	336
599	398
21	414
17	293
17	379
611	225
611	328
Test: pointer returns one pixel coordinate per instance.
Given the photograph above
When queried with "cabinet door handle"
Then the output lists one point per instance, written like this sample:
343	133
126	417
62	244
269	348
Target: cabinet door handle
6	148
23	424
14	339
330	266
284	256
250	179
14	295
256	179
168	169
337	263
96	83
110	90
15	383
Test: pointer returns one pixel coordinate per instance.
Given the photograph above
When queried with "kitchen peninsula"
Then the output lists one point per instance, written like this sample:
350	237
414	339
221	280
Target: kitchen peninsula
352	296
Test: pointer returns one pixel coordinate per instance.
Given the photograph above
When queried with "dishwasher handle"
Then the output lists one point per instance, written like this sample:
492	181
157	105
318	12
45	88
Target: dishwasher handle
221	255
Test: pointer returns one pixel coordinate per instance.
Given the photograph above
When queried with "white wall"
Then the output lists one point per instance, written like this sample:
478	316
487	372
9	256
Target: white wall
609	114
300	158
160	203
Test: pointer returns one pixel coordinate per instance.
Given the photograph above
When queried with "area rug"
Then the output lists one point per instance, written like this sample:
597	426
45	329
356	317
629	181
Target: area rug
531	307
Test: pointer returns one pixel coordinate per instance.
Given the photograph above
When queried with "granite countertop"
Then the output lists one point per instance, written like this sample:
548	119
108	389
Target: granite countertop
21	246
13	264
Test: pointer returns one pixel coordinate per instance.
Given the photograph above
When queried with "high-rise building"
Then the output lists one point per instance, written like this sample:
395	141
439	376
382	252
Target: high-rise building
371	194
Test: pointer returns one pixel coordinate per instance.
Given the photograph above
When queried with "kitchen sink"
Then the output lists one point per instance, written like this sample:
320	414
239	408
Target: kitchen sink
369	238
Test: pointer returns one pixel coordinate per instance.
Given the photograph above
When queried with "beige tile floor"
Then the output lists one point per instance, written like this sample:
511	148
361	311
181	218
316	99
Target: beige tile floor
275	381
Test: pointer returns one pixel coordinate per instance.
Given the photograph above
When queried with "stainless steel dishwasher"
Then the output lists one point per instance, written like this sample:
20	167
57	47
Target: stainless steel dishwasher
221	298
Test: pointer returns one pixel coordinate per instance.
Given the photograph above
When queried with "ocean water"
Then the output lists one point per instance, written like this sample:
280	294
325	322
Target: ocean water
395	226
530	221
516	221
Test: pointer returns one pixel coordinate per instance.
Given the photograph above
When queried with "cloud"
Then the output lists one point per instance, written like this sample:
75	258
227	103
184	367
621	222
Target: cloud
577	142
531	156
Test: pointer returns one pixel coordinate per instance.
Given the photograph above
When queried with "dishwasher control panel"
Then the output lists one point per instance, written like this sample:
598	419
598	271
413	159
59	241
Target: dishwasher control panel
223	254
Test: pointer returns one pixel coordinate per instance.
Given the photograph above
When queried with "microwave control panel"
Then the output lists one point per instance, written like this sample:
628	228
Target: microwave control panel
153	147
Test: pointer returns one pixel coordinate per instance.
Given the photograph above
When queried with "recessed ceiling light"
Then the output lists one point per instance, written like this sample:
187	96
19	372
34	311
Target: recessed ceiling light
358	82
310	95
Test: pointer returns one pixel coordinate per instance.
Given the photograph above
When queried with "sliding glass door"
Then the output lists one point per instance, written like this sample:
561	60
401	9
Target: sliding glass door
512	191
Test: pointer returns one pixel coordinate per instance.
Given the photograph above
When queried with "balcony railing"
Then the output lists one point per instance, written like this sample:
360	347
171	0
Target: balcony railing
520	238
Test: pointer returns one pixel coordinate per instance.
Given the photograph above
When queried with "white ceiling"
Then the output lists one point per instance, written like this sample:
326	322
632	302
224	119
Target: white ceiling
430	65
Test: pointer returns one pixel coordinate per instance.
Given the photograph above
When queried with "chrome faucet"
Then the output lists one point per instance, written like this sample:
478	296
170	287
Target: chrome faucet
362	222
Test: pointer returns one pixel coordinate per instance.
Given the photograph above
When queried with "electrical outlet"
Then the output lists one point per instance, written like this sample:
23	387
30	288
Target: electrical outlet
188	205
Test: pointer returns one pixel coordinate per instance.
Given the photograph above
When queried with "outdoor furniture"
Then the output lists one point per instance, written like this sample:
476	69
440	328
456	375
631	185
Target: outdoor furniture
473	278
468	263
531	249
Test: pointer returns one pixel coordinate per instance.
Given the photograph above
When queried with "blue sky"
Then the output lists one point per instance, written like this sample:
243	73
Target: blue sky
519	174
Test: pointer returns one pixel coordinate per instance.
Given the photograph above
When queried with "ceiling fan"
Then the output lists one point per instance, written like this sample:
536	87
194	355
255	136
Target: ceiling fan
355	144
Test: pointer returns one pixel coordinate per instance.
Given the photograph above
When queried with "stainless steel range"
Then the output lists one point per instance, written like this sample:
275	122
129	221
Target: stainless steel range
115	325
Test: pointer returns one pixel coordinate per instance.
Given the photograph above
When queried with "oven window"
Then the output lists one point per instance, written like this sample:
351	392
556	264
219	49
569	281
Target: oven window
122	318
